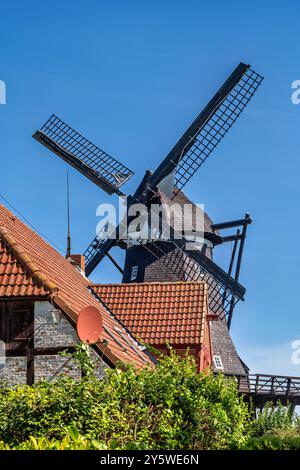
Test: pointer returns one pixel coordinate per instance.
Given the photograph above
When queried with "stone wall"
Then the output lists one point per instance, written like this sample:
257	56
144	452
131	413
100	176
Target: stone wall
47	334
99	363
51	367
14	371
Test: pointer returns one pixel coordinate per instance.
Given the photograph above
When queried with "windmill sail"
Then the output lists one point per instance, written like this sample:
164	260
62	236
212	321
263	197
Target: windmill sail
195	145
207	130
97	165
224	291
99	247
194	265
95	253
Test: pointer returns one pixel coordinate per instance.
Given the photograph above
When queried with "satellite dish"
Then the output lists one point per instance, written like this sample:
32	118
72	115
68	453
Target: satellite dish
89	325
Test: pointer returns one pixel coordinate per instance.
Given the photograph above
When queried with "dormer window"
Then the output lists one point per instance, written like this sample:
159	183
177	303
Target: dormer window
218	362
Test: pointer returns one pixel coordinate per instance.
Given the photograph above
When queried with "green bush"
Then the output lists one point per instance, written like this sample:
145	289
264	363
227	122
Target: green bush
72	441
167	407
277	417
275	440
275	428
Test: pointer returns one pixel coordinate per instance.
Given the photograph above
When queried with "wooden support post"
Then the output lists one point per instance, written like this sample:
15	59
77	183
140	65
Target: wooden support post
30	367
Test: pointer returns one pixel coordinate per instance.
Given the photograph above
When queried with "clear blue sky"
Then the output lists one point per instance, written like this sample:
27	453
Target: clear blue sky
131	76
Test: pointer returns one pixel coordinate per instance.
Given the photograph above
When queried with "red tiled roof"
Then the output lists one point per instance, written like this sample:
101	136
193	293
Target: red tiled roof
29	260
14	280
159	312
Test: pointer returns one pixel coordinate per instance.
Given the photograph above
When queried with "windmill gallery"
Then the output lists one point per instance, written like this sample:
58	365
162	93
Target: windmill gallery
172	290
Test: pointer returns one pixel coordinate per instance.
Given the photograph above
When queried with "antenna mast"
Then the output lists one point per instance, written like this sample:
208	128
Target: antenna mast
68	255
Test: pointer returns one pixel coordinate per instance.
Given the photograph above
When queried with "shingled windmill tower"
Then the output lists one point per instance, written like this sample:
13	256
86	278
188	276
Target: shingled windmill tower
161	259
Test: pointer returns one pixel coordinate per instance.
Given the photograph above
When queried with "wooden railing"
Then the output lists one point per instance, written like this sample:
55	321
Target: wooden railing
273	385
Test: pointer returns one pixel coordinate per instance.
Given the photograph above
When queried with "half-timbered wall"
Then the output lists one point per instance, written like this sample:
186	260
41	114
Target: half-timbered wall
35	332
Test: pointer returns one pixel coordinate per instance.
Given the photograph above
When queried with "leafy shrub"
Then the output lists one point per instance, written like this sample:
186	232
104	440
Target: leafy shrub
276	428
272	417
167	407
275	440
72	441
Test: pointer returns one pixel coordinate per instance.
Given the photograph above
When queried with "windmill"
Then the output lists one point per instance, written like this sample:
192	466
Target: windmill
167	182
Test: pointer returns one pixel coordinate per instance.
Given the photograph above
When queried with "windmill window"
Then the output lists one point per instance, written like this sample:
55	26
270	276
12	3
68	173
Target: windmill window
218	362
134	272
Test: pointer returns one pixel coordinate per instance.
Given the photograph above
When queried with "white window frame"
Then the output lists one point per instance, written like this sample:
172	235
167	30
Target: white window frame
218	362
134	273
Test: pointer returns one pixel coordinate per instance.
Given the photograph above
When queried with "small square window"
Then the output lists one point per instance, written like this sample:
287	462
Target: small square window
218	362
134	272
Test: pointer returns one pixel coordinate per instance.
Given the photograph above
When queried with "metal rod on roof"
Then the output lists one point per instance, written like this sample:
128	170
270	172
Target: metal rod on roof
68	218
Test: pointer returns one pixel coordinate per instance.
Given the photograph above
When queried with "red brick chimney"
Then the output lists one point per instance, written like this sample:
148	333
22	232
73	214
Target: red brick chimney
79	260
212	316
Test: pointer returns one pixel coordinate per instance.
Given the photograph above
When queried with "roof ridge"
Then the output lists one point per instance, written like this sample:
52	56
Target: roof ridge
94	284
26	262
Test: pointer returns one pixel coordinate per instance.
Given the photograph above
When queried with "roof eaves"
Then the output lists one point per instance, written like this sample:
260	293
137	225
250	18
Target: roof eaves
26	262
